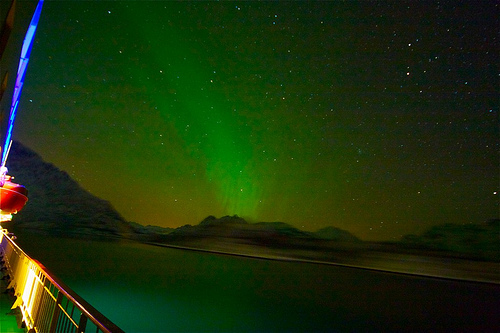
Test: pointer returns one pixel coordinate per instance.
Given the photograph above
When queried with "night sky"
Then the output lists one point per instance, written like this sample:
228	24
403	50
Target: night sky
380	118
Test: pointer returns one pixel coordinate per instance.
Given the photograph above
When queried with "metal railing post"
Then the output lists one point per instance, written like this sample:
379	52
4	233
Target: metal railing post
55	314
82	324
38	298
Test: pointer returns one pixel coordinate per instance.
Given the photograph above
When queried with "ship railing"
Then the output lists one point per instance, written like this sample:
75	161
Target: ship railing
47	305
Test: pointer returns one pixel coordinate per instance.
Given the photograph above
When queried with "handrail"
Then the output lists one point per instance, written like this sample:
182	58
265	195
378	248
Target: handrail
46	303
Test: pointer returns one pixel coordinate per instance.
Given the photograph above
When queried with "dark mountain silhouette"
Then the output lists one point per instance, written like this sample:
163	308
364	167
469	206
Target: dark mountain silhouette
150	229
335	234
476	241
225	220
236	230
57	204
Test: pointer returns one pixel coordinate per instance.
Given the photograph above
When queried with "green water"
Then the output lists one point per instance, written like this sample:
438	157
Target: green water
145	288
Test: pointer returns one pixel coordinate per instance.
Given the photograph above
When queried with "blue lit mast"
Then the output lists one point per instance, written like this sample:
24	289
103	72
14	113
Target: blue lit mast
21	72
13	196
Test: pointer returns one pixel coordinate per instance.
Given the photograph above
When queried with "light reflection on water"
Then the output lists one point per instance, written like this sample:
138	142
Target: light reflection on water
144	288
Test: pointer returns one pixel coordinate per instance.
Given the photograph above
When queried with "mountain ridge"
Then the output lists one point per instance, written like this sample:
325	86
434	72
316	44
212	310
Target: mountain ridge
58	205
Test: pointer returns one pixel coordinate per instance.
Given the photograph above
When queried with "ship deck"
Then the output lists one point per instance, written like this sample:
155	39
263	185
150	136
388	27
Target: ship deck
8	320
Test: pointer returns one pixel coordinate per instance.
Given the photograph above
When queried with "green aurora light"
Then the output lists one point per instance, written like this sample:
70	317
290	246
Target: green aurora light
356	115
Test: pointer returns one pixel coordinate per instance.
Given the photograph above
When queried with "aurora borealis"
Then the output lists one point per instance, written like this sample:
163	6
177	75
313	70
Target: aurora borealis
380	118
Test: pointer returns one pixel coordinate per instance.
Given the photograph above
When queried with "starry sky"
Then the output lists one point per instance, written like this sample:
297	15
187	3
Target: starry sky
380	118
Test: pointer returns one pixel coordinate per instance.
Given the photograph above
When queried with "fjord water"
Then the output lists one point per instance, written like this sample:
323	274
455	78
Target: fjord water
144	288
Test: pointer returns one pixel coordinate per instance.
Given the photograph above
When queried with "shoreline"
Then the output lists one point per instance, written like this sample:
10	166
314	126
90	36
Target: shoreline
402	263
406	264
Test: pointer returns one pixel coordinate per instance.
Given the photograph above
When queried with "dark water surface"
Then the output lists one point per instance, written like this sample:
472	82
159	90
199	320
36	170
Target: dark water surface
144	288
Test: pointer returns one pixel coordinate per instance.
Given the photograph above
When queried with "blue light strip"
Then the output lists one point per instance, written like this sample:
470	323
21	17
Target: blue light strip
21	72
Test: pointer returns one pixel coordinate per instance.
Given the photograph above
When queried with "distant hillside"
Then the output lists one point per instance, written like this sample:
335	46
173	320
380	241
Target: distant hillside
335	234
150	229
270	234
476	241
56	203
